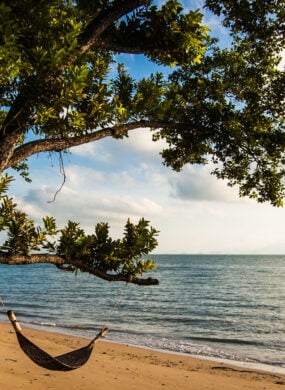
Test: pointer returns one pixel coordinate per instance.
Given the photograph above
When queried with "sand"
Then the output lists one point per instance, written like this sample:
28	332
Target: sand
114	366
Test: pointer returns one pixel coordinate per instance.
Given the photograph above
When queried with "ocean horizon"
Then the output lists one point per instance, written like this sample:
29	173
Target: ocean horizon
212	306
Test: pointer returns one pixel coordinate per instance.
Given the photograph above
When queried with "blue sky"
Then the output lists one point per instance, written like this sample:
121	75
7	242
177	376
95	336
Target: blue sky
112	180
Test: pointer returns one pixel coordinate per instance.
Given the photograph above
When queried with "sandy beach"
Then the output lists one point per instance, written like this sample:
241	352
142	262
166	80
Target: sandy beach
118	367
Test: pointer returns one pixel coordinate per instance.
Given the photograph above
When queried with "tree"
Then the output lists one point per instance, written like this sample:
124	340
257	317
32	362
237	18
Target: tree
224	105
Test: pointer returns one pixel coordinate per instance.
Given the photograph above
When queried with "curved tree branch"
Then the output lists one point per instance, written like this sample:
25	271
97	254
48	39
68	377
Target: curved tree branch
103	21
72	265
59	144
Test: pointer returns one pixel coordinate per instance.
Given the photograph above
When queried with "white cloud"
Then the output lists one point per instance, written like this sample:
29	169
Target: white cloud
197	184
138	144
93	151
90	197
141	140
78	177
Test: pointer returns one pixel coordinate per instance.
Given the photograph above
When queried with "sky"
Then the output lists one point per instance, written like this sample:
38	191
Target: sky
113	180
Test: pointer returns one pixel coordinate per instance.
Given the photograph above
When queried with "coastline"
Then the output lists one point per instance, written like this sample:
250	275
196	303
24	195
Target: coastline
120	366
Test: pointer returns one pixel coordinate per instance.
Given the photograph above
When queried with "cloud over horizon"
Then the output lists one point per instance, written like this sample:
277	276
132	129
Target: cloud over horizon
194	211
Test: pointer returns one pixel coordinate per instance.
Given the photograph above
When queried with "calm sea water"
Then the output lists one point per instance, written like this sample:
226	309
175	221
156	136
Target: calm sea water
229	307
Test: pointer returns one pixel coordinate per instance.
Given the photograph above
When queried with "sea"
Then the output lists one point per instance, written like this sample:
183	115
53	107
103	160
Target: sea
229	307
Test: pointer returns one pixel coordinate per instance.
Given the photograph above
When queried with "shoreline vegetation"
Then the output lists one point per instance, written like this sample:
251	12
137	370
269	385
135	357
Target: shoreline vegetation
118	366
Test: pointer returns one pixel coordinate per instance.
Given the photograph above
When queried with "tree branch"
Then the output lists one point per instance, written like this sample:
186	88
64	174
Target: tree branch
59	144
12	127
72	265
103	21
118	48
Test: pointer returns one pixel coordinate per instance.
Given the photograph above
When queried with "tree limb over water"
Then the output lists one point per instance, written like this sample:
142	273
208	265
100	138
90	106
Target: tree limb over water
72	266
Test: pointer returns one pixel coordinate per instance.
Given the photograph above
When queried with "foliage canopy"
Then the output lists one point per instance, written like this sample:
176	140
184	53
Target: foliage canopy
224	105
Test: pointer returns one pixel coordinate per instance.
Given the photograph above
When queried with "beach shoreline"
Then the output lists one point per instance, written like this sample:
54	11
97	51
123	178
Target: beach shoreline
122	366
253	365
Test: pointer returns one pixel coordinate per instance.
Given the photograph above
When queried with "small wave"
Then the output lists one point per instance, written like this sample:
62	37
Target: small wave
225	341
41	323
165	344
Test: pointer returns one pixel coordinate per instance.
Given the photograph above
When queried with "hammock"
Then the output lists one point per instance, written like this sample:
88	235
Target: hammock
66	362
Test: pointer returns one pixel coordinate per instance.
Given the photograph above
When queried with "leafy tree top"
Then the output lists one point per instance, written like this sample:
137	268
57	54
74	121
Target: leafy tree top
219	104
